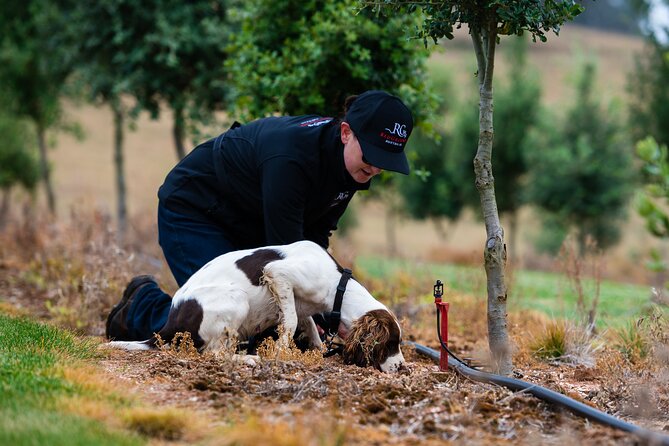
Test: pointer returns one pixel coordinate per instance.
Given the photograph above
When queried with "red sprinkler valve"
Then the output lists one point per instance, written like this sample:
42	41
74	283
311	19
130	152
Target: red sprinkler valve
442	321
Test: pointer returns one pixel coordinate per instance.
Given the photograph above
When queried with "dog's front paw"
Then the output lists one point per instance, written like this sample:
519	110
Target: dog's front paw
250	360
316	344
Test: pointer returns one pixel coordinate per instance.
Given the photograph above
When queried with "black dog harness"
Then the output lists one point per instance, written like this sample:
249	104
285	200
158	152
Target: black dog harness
333	318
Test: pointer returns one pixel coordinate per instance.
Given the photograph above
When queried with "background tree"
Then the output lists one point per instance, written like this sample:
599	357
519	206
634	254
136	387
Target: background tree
487	21
18	164
517	113
433	188
141	55
585	179
652	206
109	56
34	66
656	172
296	57
649	89
184	44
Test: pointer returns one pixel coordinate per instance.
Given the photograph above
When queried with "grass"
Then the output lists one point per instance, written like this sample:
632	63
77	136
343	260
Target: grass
549	293
33	360
553	343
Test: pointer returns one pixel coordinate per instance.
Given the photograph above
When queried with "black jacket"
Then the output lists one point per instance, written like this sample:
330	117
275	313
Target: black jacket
273	181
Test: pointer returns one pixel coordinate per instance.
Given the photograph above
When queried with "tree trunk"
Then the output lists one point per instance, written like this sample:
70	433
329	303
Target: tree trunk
440	227
45	169
4	207
178	132
495	248
119	165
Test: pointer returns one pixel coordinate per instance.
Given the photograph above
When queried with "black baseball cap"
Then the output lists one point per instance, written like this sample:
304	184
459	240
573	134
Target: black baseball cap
382	124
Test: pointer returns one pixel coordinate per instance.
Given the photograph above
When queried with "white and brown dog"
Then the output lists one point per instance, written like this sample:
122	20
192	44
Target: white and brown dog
245	292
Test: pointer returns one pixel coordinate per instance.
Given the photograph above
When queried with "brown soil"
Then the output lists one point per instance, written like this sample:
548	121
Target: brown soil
420	405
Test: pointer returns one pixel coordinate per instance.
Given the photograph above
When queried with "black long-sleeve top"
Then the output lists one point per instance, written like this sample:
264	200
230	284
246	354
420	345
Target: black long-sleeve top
273	181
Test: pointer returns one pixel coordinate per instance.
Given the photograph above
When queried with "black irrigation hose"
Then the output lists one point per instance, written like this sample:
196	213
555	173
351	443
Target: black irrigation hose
547	395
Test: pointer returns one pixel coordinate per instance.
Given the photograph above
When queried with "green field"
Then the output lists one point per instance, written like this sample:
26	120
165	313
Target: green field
549	293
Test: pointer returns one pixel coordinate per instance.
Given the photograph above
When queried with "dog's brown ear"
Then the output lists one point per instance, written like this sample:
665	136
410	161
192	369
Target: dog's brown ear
372	338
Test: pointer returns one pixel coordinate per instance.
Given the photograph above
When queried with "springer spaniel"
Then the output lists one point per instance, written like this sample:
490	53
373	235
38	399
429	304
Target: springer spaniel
245	292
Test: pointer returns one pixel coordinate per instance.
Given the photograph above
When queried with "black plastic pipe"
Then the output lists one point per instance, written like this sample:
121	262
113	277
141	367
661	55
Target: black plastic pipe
547	395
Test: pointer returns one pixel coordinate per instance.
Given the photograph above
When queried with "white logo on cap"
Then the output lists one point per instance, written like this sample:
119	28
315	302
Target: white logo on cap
399	130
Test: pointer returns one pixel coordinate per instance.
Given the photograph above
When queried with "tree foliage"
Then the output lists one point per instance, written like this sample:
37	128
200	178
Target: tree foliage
649	88
433	189
297	57
509	17
653	202
18	164
158	52
34	67
585	180
649	118
137	56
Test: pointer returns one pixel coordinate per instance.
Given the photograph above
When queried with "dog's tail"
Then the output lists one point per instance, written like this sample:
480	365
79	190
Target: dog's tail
149	344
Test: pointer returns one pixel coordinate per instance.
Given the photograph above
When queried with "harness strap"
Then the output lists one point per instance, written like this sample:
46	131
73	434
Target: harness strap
335	315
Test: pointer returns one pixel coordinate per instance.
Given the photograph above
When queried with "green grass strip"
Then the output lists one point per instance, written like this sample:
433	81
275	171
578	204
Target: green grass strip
31	359
549	293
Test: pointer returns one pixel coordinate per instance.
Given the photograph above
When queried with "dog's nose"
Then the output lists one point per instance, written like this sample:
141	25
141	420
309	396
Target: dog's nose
393	364
403	368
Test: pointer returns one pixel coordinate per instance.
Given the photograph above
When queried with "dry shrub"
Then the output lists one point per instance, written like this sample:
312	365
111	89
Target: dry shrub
645	340
632	342
181	346
579	263
300	431
271	350
564	342
552	344
524	326
71	269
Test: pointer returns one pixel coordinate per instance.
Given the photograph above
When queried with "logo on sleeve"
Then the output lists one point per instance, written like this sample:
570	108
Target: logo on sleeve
315	122
341	196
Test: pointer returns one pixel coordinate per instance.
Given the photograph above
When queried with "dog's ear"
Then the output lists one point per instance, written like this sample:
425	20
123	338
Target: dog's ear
371	339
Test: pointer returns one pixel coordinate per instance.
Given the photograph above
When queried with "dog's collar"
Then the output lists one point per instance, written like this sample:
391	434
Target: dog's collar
334	317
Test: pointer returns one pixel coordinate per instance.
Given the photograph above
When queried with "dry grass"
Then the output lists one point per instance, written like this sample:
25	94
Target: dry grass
70	270
167	424
301	431
271	350
181	346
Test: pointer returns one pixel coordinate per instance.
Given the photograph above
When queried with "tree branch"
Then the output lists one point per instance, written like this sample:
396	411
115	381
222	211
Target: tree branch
491	44
480	55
